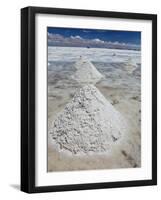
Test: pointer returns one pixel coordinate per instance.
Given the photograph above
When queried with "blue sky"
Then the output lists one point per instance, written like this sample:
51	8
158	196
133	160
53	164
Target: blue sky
105	35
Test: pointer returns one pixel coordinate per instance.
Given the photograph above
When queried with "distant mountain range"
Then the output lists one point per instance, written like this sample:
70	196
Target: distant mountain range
77	41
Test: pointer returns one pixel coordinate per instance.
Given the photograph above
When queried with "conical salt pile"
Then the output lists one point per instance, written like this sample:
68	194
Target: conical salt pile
88	124
80	62
130	66
86	72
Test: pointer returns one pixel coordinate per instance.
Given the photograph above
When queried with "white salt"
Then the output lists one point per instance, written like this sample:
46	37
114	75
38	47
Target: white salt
88	124
86	72
130	66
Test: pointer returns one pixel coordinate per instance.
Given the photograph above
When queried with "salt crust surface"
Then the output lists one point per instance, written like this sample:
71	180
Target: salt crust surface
86	72
130	66
88	124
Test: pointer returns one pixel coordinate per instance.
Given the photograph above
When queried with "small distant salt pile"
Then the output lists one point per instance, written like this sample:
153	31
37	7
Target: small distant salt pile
88	124
130	66
80	61
86	72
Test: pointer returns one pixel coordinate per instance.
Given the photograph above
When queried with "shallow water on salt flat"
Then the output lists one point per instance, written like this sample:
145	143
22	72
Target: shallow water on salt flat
121	88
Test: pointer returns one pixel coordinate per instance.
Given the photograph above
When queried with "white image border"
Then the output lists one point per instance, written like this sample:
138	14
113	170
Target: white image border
43	178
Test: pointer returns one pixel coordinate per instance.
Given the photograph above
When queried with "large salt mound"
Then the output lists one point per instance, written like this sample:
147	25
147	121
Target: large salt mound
89	123
86	72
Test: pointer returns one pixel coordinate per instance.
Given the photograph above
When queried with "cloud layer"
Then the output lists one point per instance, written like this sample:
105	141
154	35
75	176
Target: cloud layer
77	41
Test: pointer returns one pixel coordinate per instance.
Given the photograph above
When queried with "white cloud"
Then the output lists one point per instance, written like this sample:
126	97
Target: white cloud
86	31
59	40
116	42
76	37
98	40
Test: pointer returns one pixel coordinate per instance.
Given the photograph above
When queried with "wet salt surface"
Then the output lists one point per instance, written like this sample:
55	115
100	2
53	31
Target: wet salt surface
120	88
69	54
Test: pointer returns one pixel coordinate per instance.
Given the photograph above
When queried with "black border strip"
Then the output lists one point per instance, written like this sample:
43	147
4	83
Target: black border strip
28	98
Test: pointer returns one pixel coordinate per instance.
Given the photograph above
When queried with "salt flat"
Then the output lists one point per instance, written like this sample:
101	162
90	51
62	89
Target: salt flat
70	54
121	70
